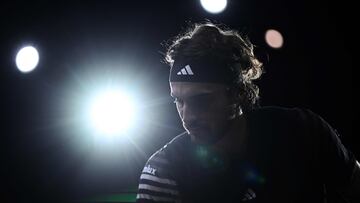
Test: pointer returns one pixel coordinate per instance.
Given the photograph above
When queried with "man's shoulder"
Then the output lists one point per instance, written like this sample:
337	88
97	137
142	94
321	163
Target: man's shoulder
280	122
157	181
281	114
172	149
278	110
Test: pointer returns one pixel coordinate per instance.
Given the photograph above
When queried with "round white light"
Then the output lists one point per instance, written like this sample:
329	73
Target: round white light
112	113
27	59
274	39
214	6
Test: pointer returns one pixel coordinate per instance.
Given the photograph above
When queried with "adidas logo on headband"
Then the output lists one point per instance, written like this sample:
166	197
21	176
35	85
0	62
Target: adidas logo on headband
206	69
185	71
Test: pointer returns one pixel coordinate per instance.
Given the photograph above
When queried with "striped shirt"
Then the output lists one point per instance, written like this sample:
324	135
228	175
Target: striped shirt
156	182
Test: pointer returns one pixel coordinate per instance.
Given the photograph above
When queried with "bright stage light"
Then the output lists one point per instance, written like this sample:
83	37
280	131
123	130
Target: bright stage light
214	6
274	39
27	59
112	112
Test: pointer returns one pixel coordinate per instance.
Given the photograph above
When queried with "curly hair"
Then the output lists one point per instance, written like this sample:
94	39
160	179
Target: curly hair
208	39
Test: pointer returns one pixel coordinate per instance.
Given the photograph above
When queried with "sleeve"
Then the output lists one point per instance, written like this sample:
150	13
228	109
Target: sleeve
337	165
156	183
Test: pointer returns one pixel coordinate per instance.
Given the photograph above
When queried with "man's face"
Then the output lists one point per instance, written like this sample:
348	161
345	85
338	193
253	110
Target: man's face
204	109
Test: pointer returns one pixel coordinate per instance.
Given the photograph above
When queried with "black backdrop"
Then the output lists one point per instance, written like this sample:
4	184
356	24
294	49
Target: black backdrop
47	155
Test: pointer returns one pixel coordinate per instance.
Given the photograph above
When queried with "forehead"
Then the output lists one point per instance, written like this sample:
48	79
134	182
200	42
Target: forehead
189	89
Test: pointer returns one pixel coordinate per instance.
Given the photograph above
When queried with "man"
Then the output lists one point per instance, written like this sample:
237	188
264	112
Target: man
233	150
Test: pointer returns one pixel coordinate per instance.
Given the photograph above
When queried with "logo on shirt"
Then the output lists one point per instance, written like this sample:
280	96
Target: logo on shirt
249	195
149	169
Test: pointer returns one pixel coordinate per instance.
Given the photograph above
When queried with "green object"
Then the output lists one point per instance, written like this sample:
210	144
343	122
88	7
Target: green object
123	197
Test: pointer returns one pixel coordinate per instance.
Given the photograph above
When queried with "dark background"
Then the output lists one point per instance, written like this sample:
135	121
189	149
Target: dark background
48	153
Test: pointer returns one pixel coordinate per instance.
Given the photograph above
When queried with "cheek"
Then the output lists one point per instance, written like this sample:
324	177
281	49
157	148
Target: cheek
218	112
215	120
